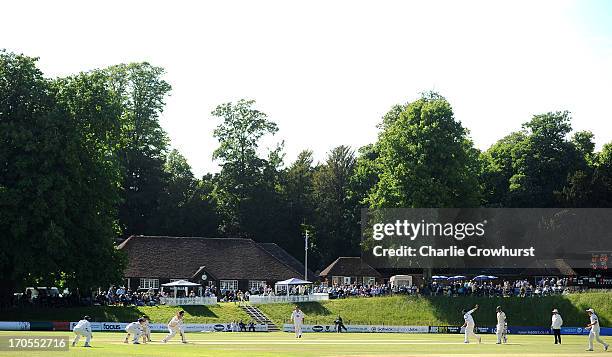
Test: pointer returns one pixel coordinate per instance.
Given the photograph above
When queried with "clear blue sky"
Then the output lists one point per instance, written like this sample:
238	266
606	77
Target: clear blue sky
327	71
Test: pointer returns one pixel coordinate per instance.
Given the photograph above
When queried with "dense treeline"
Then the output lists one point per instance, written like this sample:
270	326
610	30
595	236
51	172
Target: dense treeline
84	161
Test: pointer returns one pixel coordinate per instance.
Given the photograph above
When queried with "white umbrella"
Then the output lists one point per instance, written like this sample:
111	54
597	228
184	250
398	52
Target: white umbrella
180	283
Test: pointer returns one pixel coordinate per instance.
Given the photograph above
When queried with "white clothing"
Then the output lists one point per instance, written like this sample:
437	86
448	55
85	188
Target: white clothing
468	317
556	322
175	323
82	328
501	318
594	333
135	329
175	326
595	322
469	328
469	332
146	330
297	316
501	325
83	325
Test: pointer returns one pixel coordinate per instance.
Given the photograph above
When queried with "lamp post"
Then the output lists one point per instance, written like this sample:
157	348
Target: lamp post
306	256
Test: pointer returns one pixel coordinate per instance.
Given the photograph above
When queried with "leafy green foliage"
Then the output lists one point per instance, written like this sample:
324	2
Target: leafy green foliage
84	160
59	178
425	158
144	144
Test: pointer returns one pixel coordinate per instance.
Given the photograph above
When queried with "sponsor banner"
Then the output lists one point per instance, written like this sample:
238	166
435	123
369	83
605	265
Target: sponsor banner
155	327
14	326
574	331
604	331
485	329
360	328
529	330
445	329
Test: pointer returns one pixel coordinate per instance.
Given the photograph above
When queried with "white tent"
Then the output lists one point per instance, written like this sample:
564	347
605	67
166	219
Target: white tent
289	282
180	284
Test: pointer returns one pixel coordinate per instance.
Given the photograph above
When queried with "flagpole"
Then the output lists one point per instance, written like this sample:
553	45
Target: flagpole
306	256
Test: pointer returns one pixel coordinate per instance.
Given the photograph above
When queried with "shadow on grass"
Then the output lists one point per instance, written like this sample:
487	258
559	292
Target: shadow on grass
313	308
528	311
198	310
102	313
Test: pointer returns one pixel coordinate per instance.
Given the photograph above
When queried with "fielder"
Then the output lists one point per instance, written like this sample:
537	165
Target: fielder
500	329
469	325
297	316
135	329
594	334
146	329
82	328
176	325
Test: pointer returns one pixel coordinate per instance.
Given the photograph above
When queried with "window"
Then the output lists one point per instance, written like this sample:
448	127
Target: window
256	284
347	280
369	280
148	283
228	284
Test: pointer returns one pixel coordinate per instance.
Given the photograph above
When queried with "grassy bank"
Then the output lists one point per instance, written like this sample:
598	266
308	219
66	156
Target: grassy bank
409	310
394	310
193	314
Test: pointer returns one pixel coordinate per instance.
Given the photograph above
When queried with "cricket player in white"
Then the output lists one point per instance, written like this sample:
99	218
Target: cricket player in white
176	325
501	324
146	329
469	325
594	334
82	328
297	316
135	329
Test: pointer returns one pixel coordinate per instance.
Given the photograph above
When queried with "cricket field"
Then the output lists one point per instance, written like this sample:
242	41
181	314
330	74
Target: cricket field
315	344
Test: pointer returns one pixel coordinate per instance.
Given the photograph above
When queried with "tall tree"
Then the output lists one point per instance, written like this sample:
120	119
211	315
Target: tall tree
497	168
297	188
426	159
142	91
58	178
247	188
542	161
602	178
337	229
187	207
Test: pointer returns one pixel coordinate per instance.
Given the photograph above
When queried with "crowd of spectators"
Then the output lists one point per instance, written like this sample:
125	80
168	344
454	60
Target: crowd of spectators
360	290
502	288
121	296
521	288
126	297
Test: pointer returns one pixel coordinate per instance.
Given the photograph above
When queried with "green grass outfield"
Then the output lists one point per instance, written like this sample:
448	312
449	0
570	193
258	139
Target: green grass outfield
109	344
441	310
